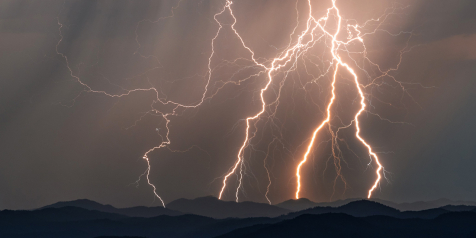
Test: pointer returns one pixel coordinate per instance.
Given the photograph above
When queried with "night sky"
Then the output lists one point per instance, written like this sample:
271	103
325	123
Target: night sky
59	142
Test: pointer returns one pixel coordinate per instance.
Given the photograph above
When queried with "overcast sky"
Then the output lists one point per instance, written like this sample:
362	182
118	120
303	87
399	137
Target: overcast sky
59	142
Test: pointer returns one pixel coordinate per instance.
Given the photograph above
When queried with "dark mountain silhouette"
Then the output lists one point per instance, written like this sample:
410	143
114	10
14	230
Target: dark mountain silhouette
365	208
140	211
458	208
425	214
224	226
443	202
82	203
423	205
328	225
413	206
367	219
73	222
360	208
120	237
304	203
55	215
461	224
297	205
212	207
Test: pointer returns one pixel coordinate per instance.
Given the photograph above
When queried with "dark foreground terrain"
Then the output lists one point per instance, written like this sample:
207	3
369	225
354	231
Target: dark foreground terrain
88	219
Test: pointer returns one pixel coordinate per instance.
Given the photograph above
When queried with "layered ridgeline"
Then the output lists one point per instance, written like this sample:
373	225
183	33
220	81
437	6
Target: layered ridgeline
455	224
204	206
212	207
210	217
139	211
303	203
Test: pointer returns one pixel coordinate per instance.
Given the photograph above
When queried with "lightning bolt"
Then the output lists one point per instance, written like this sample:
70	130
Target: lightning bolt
335	46
316	31
276	64
294	51
309	147
166	116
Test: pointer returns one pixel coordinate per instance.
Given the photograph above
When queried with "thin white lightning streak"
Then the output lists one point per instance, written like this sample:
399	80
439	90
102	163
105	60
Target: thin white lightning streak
286	57
167	141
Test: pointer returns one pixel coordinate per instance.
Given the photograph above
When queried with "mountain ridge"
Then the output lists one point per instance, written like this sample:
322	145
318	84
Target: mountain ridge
138	211
454	224
303	203
379	220
213	207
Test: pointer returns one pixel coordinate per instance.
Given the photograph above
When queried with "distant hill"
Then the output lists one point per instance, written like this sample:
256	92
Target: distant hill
56	215
365	208
74	222
212	207
82	203
131	211
297	205
456	225
356	219
327	225
303	203
423	205
360	208
412	206
458	208
443	201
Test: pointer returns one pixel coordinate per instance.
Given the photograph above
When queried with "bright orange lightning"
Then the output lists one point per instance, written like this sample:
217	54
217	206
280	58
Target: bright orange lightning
287	56
335	46
293	51
309	147
315	31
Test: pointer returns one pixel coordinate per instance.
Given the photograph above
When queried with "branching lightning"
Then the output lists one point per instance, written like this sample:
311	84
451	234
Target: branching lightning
327	31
